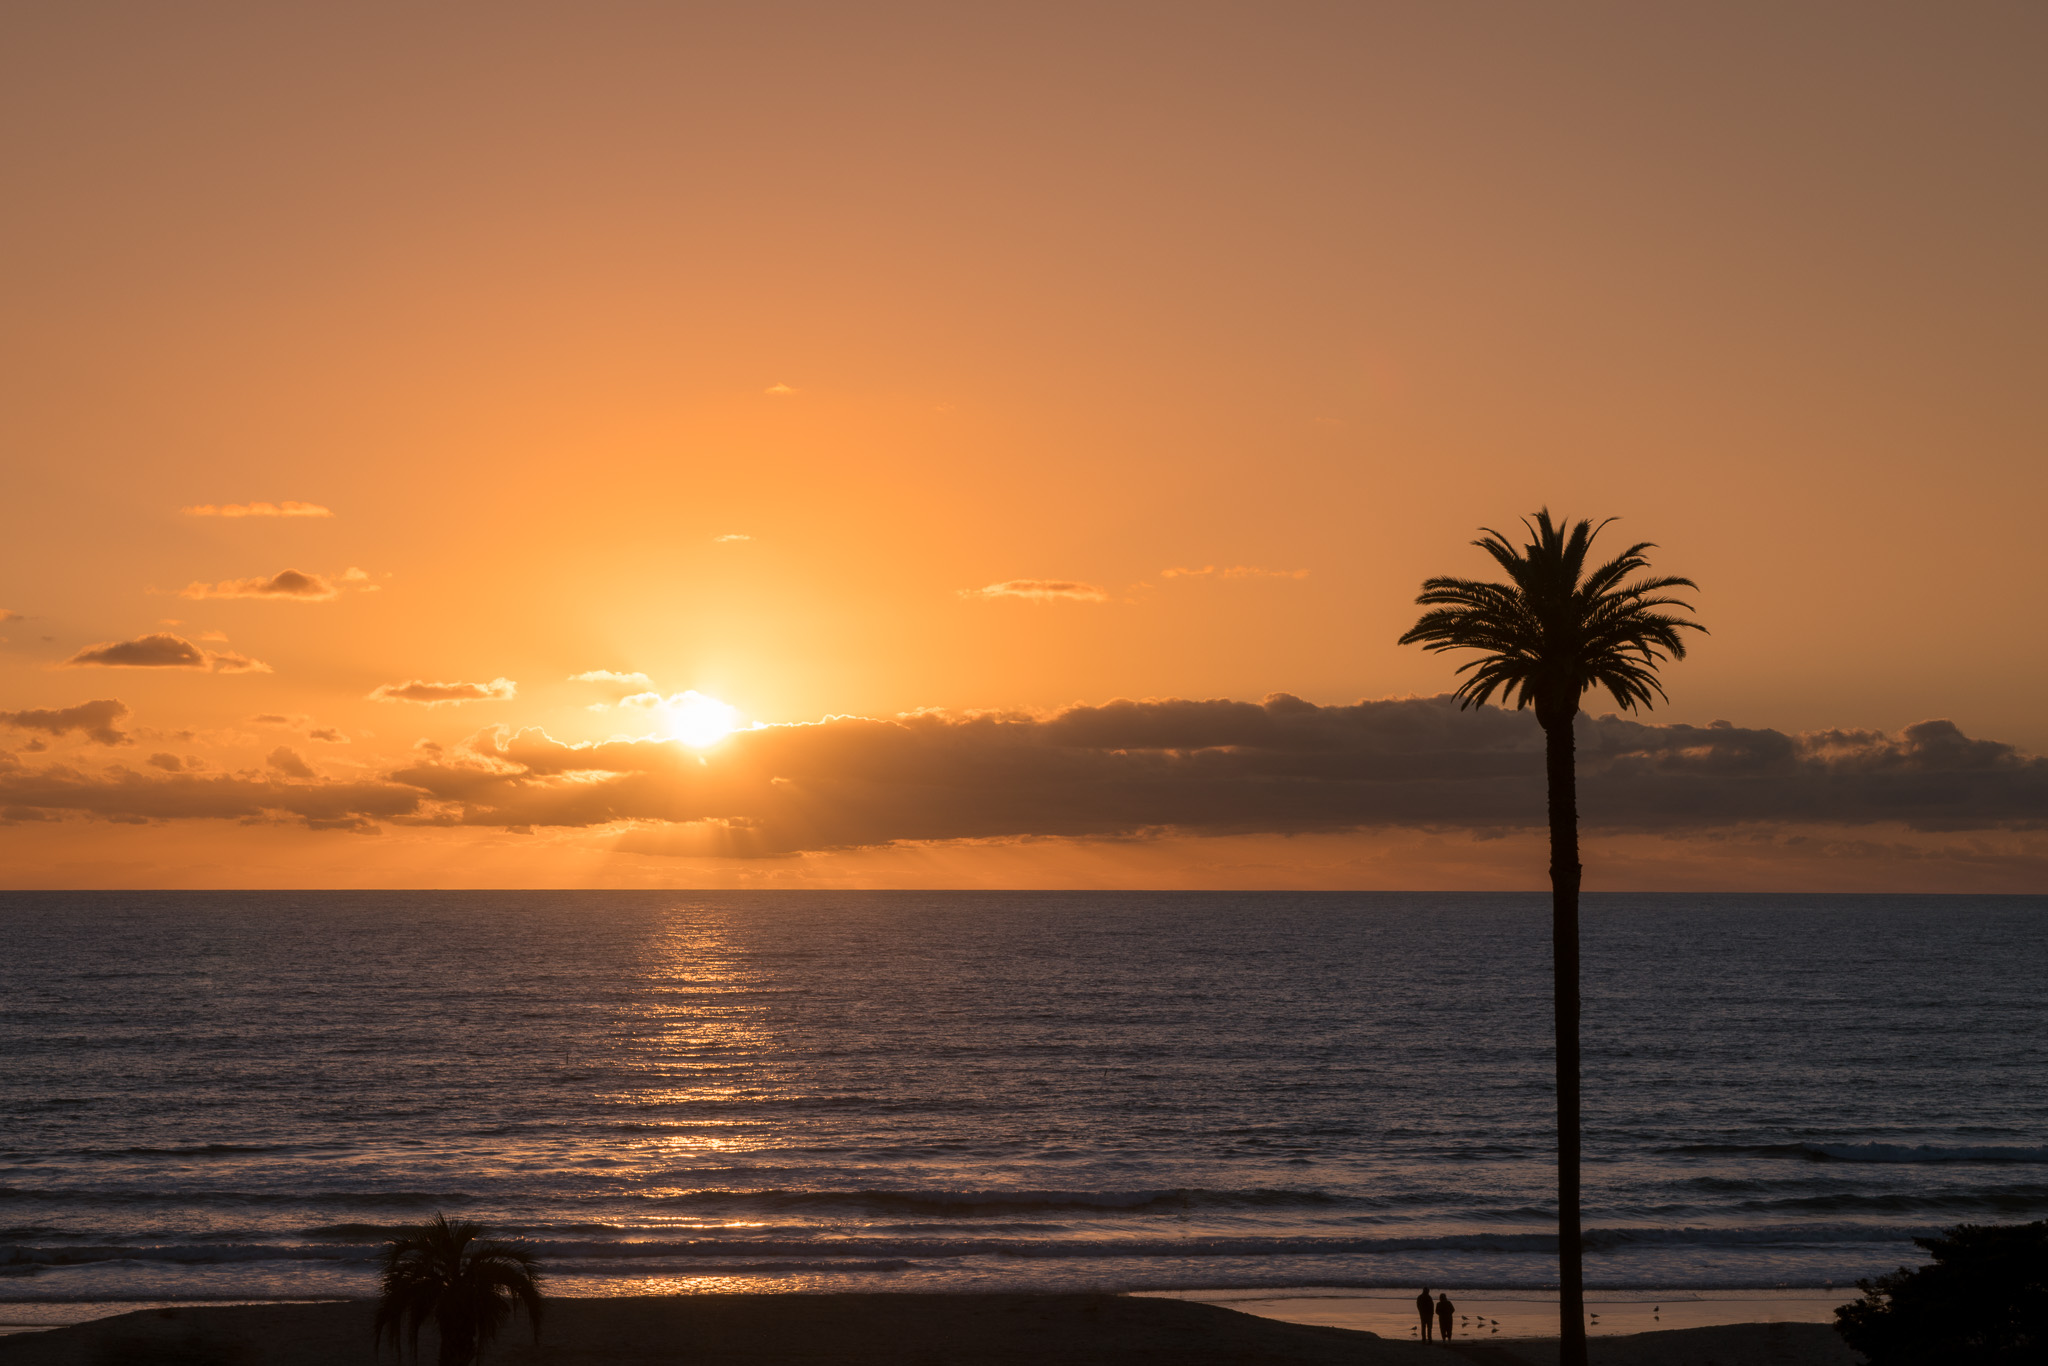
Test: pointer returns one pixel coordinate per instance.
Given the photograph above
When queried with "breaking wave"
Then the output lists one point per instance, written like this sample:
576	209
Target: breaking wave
839	1253
1876	1152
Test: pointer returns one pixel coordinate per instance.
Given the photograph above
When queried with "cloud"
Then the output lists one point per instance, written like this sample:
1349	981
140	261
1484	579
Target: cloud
1040	590
436	694
1127	770
615	684
716	540
779	390
1235	571
287	508
162	650
305	723
286	761
169	763
94	720
6	615
128	797
287	585
1284	766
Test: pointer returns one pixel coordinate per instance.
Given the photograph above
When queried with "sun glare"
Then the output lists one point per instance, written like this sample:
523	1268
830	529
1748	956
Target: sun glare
698	720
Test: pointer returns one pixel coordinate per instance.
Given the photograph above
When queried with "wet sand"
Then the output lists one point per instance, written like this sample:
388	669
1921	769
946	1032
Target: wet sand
869	1330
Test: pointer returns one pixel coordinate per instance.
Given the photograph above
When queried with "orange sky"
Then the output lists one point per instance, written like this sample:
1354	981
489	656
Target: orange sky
547	305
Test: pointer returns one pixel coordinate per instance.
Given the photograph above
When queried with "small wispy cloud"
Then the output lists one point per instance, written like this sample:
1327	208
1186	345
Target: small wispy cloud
287	585
716	540
615	684
162	650
779	390
6	615
437	694
1040	590
1234	571
302	723
288	508
631	682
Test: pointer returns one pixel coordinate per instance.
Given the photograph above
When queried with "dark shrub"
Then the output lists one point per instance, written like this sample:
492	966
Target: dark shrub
1983	1302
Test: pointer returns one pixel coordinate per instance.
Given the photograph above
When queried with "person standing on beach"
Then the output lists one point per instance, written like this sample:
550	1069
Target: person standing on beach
1428	1312
1444	1310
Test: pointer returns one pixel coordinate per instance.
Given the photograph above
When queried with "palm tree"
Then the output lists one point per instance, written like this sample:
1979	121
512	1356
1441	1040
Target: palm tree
467	1287
1549	634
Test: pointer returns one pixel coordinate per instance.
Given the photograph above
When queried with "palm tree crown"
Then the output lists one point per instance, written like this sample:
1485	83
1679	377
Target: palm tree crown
467	1287
1555	629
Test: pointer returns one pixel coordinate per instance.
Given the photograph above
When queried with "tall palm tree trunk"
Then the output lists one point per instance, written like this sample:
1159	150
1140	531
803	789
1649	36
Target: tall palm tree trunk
1560	764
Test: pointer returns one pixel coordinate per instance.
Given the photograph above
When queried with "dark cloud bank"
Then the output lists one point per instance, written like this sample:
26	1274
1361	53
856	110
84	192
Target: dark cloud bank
1124	768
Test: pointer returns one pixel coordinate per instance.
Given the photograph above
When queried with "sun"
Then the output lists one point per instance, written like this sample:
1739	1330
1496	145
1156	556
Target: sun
699	721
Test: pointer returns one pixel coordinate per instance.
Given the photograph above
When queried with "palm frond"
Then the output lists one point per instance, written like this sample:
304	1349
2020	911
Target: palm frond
1556	629
446	1274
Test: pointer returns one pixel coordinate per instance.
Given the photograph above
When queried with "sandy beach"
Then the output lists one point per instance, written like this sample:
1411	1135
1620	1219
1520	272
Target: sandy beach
903	1330
1495	1314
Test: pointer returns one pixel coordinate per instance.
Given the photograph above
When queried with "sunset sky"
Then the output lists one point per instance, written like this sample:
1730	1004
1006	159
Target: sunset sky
405	406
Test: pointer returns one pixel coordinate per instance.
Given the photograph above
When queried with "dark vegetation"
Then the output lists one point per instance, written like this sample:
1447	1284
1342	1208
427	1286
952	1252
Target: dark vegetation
1983	1301
450	1276
1553	631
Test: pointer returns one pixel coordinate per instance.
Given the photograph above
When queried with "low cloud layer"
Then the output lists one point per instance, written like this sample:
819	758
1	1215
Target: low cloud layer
162	650
1126	769
1285	765
440	694
94	720
1040	590
288	508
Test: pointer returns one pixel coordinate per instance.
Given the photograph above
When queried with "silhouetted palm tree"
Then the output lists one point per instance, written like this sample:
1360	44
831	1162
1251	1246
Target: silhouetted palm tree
1553	631
445	1273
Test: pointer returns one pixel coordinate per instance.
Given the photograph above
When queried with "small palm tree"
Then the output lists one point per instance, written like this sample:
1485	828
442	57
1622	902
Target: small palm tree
1553	631
447	1274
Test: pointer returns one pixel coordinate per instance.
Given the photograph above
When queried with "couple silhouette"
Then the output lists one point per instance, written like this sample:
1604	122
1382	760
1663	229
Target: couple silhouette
1440	1312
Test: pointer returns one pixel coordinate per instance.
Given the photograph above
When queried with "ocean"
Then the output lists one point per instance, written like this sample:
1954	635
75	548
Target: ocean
239	1095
